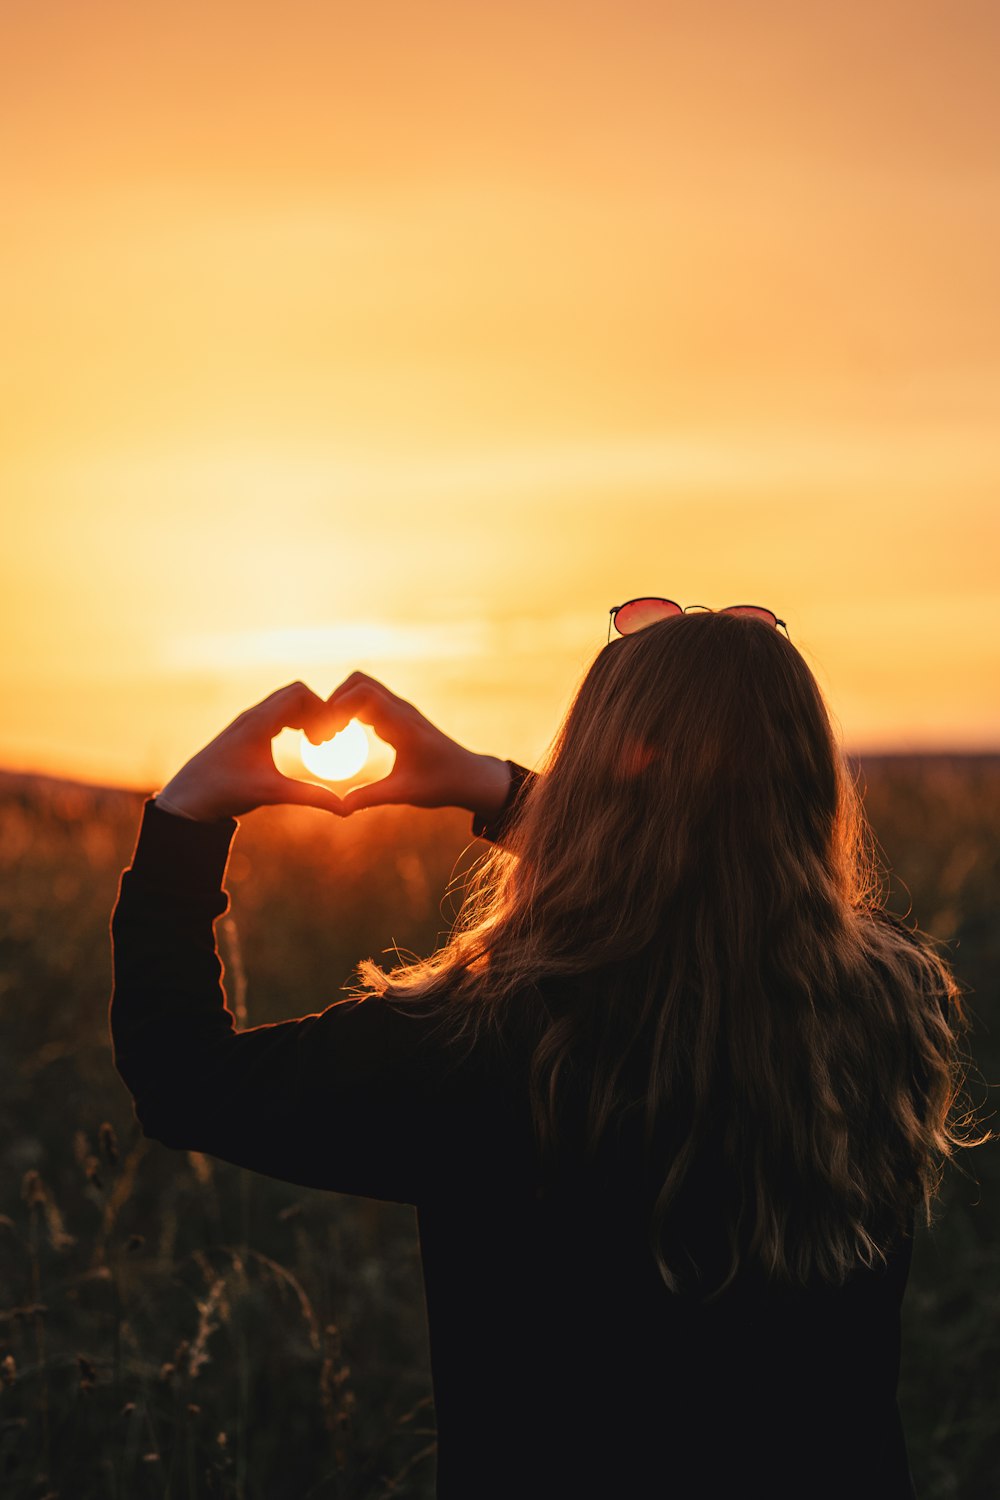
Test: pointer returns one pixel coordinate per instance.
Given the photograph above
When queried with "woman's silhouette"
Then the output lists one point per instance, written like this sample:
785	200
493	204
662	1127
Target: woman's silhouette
666	1102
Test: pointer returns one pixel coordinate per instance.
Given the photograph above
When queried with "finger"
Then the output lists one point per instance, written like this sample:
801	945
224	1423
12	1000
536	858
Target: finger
390	789
356	679
275	699
370	704
308	794
294	706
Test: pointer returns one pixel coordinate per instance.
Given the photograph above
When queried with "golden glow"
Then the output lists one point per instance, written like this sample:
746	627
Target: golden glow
338	759
411	339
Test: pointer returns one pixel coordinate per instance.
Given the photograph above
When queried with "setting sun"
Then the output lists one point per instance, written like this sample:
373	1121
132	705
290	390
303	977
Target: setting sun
337	759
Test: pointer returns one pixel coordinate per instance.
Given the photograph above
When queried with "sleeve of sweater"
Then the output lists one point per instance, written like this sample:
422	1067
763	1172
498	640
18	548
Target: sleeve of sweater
358	1098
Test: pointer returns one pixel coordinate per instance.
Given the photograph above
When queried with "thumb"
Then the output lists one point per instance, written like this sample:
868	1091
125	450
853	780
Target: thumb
374	794
308	794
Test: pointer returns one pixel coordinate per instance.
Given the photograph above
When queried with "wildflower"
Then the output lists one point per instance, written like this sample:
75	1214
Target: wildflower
109	1141
37	1195
207	1324
170	1367
337	1402
59	1239
33	1188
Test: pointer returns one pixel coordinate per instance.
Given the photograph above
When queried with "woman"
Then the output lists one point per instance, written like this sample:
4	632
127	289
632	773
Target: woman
666	1102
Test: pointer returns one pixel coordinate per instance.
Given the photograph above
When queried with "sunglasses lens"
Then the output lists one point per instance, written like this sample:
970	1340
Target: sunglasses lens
638	613
755	610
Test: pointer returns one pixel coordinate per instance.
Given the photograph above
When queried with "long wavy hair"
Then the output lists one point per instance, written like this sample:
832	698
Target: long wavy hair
685	918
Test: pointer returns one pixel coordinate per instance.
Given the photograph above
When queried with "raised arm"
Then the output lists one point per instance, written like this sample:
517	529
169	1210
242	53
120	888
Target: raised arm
356	1098
341	1099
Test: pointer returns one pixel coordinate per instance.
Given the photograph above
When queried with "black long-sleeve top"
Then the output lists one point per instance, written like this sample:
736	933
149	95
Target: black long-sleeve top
562	1367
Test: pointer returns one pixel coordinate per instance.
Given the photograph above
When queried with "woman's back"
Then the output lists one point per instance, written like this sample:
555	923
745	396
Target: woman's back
564	1366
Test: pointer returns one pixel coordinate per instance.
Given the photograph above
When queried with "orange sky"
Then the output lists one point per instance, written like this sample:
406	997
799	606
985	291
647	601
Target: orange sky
412	338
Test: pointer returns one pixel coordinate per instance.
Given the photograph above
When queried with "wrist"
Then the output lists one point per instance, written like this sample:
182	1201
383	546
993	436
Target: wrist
185	803
488	786
171	807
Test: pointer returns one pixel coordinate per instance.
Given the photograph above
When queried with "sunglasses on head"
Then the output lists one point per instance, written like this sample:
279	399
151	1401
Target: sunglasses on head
636	614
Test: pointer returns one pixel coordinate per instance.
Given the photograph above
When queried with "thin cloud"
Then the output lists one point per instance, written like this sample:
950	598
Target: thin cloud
309	645
385	641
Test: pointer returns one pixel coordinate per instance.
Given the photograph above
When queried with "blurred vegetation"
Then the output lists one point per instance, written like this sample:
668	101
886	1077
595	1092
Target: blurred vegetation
173	1326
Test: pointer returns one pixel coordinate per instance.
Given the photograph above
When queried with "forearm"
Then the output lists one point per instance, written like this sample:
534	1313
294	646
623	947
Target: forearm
494	824
486	785
351	1098
168	1011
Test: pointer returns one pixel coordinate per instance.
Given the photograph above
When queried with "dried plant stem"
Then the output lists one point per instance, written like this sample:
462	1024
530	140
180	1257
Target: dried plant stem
392	1485
236	988
117	1304
243	1355
34	1231
117	1197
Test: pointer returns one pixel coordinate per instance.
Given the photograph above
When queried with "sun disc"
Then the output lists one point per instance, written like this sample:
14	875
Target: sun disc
339	758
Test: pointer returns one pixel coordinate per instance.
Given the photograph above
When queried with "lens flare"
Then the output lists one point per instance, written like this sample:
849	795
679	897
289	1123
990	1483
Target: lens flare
339	758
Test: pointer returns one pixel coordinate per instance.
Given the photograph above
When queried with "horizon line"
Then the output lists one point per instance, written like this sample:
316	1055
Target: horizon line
22	773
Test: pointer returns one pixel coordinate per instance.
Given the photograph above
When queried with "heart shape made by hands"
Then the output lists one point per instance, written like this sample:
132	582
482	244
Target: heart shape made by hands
354	757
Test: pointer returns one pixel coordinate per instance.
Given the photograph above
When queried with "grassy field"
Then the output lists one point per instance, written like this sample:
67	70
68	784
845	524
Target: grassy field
171	1325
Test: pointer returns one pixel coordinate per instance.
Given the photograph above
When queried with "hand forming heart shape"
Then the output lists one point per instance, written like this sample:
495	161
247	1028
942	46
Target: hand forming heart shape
236	772
430	770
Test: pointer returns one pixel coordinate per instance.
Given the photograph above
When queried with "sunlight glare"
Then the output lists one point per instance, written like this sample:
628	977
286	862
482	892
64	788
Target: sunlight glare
337	759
